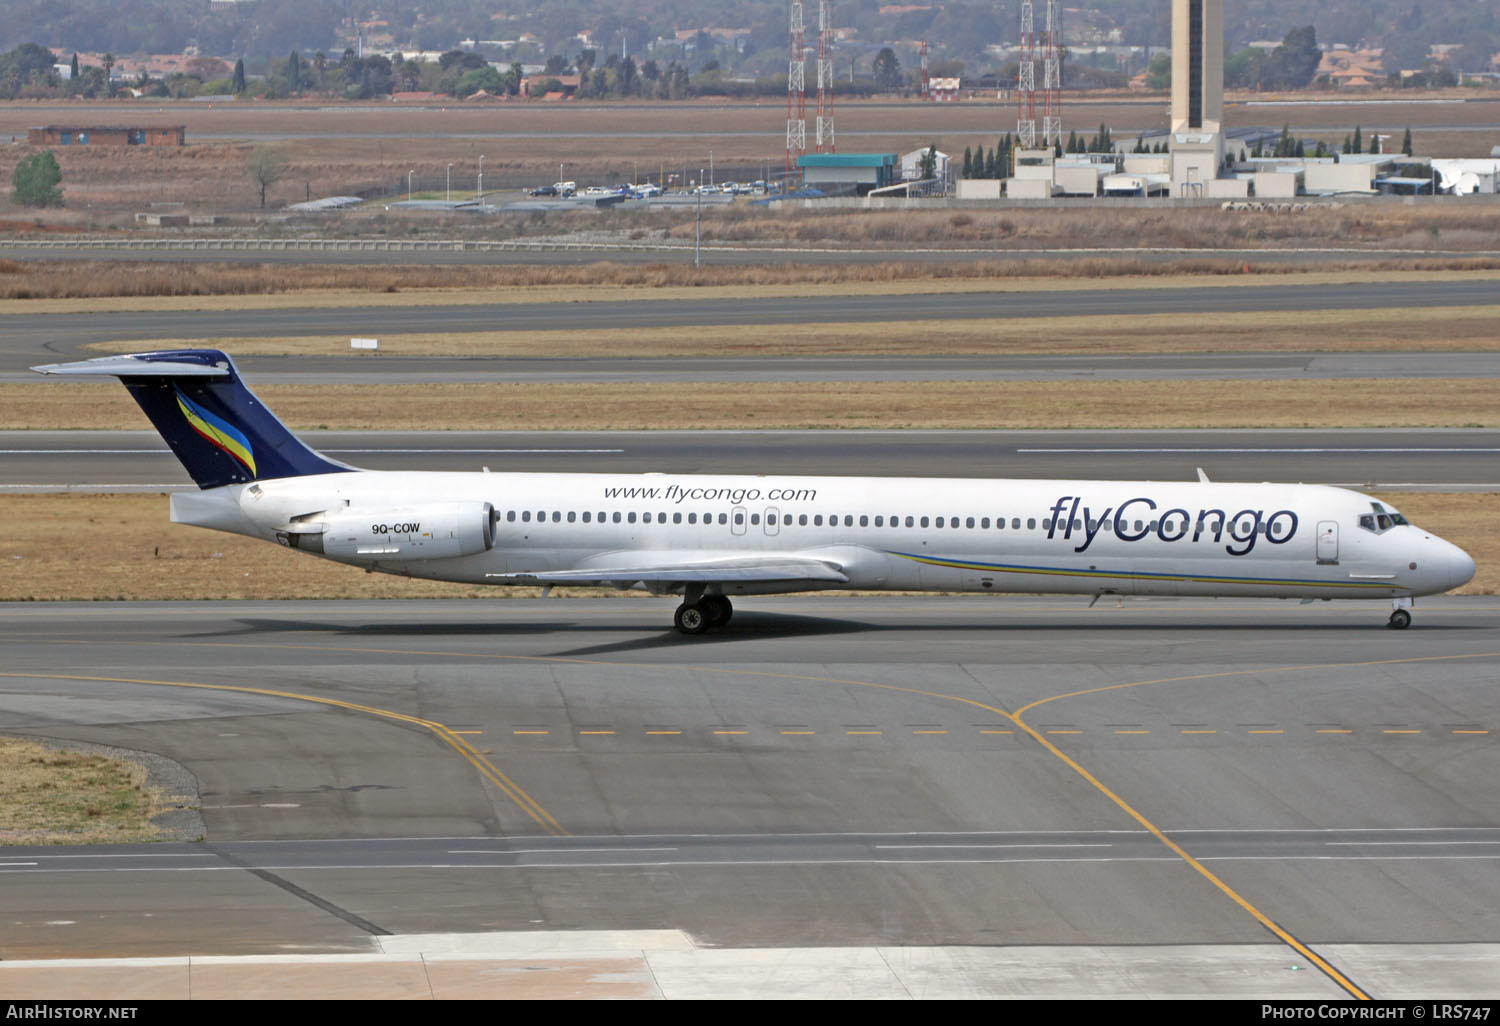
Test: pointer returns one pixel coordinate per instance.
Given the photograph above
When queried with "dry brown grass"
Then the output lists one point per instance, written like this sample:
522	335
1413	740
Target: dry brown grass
1446	329
56	796
44	286
122	547
951	405
1380	226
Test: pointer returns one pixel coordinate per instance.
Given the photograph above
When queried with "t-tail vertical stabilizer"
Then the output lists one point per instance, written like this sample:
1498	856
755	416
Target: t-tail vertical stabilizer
216	426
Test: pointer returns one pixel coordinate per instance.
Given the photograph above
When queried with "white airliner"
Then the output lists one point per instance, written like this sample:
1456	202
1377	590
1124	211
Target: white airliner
711	537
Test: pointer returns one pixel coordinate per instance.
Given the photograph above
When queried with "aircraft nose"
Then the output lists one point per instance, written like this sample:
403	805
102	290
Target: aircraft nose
1460	567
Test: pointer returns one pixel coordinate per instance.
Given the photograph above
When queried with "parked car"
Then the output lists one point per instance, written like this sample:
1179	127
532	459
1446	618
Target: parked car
544	190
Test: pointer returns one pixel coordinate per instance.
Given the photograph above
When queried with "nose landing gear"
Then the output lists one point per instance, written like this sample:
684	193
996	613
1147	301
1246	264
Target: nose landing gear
1400	615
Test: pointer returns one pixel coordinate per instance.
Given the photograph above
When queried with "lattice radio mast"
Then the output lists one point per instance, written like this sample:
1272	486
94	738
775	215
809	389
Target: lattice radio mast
825	77
1051	54
1026	82
795	92
1052	76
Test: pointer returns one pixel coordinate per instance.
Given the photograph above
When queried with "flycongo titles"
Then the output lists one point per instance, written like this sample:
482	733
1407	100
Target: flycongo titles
1135	519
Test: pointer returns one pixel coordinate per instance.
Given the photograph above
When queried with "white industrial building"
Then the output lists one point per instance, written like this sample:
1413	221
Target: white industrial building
1466	175
911	165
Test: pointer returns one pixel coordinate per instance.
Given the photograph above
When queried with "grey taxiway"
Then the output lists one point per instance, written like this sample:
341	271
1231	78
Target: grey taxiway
28	340
826	771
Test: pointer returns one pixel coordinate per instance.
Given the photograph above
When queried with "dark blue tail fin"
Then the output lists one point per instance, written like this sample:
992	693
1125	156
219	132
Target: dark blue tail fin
218	429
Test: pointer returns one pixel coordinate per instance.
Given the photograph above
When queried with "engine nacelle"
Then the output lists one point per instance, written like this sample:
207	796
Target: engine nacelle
437	530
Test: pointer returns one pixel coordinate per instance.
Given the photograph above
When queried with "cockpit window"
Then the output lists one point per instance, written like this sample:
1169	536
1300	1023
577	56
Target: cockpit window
1381	520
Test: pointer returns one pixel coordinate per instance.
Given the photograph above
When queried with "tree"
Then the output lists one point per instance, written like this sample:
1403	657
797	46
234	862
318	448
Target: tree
108	60
1245	68
1293	63
266	166
928	167
887	70
237	83
486	78
1406	142
36	181
1159	74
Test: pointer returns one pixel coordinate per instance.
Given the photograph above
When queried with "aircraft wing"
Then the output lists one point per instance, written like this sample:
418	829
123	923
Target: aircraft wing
781	568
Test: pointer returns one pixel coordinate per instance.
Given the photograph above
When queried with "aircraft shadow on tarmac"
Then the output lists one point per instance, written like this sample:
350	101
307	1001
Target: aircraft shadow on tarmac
746	626
758	625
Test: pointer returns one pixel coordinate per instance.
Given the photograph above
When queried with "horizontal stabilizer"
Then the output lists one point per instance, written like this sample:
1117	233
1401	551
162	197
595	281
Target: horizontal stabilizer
140	365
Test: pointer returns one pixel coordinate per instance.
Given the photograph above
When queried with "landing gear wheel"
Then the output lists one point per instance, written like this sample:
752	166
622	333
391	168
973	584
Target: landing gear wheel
690	619
1399	621
717	608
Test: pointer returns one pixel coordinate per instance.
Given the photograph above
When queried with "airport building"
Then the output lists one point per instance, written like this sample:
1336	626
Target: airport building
1196	145
849	173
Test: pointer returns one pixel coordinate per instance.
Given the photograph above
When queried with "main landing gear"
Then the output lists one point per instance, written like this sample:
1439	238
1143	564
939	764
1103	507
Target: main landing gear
1400	615
697	616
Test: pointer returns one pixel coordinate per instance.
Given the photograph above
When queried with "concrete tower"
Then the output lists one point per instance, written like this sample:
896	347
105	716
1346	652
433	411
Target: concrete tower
1197	142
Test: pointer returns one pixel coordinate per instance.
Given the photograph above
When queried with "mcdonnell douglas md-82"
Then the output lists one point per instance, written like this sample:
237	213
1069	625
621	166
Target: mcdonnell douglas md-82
708	538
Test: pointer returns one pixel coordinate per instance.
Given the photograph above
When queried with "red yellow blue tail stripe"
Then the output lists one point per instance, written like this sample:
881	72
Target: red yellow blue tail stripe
217	432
